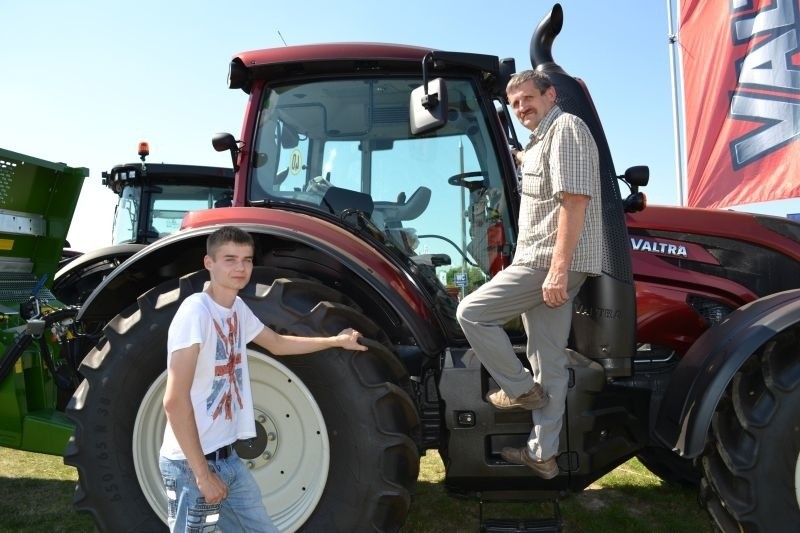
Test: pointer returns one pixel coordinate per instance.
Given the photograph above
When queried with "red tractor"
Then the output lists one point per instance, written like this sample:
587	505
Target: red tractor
378	184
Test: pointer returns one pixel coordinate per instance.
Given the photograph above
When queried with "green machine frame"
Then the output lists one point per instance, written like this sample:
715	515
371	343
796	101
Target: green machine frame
37	203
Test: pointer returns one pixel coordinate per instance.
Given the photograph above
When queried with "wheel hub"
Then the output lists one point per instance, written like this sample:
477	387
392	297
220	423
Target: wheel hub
258	452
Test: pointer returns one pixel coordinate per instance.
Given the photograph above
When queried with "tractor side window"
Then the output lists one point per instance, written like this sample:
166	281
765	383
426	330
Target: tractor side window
448	207
126	216
411	191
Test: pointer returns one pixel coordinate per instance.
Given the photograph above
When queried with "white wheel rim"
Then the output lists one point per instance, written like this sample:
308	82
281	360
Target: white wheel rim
293	469
797	480
148	432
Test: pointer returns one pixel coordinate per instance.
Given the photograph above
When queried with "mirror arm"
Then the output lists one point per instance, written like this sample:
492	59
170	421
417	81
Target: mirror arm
428	100
226	141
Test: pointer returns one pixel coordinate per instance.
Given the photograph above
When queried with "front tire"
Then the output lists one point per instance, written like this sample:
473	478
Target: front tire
752	467
334	450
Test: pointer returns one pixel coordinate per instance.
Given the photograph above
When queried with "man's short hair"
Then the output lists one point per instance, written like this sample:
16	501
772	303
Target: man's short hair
539	79
227	234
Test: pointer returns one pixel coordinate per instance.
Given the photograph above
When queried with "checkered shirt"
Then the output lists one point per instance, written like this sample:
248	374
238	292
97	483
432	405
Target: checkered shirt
561	157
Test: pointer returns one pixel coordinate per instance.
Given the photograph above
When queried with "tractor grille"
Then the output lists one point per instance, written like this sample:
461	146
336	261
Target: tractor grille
16	287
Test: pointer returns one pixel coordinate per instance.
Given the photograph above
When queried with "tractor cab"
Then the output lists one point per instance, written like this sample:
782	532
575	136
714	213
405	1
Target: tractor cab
341	148
154	197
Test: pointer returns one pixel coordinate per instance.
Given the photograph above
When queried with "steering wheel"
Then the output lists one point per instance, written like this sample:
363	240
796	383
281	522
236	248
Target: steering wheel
464	181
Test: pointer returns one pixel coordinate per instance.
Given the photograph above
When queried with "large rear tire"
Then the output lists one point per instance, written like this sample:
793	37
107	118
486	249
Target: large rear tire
751	469
334	450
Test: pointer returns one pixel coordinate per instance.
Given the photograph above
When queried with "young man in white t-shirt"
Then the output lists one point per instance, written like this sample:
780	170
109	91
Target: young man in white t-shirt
208	402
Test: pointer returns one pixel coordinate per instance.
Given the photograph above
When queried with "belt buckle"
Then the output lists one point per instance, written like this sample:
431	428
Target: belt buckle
225	452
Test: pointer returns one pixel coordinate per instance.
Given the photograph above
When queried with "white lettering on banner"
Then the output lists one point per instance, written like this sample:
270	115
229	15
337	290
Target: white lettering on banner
656	247
767	66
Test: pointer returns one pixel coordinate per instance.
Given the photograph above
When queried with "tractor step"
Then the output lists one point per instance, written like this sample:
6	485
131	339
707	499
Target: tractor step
522	525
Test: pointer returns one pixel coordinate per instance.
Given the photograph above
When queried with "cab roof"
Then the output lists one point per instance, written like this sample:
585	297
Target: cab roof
291	62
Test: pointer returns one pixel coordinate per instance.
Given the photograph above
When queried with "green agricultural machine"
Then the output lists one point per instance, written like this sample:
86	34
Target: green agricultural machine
37	363
43	282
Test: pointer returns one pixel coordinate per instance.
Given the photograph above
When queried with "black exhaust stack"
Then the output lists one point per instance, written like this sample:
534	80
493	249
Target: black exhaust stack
604	313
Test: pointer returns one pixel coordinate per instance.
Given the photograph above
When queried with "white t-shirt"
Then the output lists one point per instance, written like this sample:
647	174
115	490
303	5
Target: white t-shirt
220	393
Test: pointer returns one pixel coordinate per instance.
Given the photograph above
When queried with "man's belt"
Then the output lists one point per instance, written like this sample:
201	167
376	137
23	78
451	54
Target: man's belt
221	453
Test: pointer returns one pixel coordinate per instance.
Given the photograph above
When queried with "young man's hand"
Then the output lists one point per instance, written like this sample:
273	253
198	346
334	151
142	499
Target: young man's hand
348	339
213	489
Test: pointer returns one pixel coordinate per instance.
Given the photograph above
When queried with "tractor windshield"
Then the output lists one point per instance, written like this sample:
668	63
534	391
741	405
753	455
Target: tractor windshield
339	144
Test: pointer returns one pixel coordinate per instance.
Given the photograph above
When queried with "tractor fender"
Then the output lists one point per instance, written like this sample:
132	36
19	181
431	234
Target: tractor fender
701	377
96	256
78	277
182	253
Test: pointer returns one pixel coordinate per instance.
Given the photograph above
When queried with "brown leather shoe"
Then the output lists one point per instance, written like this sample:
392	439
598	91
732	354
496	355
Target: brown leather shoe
533	399
547	469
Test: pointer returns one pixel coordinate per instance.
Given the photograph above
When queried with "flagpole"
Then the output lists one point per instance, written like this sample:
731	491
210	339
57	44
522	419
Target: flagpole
673	44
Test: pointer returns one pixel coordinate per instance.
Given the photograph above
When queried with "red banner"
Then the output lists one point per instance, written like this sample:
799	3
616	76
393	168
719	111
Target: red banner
741	72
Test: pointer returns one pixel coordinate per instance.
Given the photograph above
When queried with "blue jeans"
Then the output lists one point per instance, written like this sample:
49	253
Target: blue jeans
242	510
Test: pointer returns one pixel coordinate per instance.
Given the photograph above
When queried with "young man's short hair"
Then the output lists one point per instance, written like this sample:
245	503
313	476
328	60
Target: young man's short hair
227	234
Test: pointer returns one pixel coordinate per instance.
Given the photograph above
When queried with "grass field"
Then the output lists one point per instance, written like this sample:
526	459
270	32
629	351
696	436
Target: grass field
36	493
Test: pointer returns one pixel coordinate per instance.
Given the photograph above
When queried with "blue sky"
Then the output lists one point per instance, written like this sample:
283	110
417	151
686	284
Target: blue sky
85	81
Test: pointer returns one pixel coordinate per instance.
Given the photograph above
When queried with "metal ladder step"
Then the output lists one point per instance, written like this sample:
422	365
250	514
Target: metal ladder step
550	524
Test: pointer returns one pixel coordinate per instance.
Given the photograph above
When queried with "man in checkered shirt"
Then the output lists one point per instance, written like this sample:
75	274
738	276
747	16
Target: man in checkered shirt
559	245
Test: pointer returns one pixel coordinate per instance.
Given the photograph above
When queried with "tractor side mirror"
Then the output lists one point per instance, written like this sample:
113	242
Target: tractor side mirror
428	106
226	141
636	177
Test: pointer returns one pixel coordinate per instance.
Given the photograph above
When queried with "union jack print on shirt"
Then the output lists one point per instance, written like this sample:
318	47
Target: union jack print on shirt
225	394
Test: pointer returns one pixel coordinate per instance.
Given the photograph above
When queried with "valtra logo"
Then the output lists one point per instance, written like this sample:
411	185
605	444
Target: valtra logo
658	247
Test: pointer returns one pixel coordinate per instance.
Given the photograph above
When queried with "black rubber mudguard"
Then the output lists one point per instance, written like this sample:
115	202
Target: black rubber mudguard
704	372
